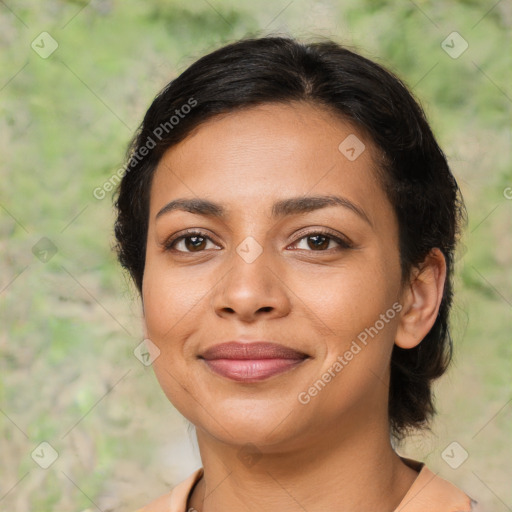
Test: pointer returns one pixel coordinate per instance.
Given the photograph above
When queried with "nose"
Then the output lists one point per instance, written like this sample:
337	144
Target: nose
251	291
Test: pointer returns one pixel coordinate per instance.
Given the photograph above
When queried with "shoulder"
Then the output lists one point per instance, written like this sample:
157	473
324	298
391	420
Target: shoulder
431	492
161	504
176	500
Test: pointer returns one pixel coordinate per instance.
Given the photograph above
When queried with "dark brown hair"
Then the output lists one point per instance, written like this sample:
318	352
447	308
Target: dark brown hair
413	169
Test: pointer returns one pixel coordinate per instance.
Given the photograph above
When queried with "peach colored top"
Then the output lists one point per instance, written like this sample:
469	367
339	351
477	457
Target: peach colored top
428	493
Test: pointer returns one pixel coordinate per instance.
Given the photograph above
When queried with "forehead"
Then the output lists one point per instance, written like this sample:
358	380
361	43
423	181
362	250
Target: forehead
252	157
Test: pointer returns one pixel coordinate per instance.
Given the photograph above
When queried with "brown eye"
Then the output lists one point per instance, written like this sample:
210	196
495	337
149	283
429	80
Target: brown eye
190	243
321	242
318	241
194	243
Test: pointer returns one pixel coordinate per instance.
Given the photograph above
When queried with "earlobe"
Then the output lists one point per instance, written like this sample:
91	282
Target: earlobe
422	299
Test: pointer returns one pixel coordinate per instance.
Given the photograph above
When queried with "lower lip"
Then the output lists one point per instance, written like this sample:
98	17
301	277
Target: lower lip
251	370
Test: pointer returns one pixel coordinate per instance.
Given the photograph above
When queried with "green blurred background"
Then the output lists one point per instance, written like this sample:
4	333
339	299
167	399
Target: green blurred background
70	320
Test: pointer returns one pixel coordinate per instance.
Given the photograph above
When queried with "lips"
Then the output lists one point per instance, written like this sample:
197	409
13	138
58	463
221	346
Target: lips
251	362
253	350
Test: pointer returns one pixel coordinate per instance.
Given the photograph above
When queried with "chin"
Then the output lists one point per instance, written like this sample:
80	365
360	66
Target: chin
265	430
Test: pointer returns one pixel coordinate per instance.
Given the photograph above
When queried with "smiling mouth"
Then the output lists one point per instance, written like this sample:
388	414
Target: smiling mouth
251	370
251	362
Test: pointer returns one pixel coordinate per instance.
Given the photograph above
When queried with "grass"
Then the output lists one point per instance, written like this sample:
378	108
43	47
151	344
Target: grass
67	372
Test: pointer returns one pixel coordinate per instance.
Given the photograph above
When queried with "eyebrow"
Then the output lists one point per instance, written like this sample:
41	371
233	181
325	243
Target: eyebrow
281	208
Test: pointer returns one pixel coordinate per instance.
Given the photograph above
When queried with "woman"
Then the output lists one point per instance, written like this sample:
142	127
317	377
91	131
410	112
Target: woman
290	222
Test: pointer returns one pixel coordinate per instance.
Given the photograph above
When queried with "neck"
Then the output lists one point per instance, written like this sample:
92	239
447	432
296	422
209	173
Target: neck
336	470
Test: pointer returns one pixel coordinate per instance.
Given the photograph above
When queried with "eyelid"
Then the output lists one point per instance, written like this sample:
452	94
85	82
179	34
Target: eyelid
176	237
343	241
339	238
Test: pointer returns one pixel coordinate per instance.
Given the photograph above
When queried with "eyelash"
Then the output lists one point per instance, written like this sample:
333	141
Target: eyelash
343	244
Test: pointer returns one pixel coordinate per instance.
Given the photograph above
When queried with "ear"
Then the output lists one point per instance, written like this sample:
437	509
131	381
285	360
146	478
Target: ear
421	299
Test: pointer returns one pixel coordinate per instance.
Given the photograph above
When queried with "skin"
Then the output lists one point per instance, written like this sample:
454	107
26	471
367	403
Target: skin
335	449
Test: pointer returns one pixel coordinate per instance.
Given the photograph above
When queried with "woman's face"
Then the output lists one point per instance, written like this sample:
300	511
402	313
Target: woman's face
262	272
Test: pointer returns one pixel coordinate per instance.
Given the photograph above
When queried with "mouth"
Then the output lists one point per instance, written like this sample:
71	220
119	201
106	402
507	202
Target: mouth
251	362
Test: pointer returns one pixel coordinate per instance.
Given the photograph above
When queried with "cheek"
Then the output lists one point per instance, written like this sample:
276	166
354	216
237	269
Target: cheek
170	297
170	303
349	298
350	304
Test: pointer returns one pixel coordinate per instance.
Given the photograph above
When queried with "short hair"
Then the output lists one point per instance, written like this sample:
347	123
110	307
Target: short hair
412	169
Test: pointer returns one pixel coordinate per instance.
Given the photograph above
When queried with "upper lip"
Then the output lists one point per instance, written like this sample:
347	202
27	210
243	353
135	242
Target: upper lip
252	350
